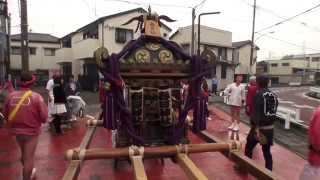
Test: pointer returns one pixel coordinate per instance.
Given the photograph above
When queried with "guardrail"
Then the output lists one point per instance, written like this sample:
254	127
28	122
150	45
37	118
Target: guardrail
294	83
289	115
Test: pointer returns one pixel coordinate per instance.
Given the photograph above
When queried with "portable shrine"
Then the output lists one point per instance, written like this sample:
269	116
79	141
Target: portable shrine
144	106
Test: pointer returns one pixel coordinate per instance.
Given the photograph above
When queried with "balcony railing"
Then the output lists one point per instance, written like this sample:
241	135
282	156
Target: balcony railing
64	55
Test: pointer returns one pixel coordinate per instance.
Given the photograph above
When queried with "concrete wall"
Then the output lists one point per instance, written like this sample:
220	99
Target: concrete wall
37	61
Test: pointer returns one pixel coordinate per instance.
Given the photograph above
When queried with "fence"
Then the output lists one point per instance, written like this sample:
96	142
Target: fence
290	116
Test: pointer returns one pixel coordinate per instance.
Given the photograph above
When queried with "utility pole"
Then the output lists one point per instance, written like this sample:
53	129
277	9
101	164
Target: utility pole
8	46
252	36
3	39
192	30
24	37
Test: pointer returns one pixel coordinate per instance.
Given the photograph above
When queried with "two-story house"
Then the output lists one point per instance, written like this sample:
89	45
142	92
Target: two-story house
42	54
77	48
295	69
215	44
242	51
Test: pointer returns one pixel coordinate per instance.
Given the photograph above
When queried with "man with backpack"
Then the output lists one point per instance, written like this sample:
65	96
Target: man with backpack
263	114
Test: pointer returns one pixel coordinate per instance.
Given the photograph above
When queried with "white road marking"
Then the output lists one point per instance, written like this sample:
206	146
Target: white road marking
285	102
303	106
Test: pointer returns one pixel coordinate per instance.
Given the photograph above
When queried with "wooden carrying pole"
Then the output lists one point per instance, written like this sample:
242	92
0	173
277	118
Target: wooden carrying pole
192	171
244	162
139	172
73	169
162	151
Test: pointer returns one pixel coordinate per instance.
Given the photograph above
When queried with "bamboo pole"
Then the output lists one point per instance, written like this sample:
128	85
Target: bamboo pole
162	151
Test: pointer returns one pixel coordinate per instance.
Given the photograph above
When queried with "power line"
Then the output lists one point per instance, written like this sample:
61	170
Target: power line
288	19
290	43
304	24
269	11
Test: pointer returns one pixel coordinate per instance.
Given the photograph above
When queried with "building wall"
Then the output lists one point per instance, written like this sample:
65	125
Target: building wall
285	70
76	37
38	61
223	83
84	48
244	60
221	37
110	26
214	38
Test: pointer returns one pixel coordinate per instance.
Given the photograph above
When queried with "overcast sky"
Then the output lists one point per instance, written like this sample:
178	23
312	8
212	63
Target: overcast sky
60	17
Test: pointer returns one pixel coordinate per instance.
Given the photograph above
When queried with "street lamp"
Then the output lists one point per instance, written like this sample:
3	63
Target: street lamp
199	17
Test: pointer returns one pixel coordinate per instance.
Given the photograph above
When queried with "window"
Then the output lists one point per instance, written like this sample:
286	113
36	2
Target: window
123	35
274	65
285	64
315	59
91	34
32	50
223	53
49	51
66	43
223	71
16	50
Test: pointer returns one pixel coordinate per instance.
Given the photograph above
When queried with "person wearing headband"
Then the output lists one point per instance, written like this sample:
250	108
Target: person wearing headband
25	112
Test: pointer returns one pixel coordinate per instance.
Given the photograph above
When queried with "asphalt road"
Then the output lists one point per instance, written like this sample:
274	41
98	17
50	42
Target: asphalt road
295	98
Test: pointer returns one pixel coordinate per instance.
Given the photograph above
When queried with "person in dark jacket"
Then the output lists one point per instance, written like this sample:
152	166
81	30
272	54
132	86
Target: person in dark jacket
264	109
59	103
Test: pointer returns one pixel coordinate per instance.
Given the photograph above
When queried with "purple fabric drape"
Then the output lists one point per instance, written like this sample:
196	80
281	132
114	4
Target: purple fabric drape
116	104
